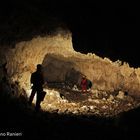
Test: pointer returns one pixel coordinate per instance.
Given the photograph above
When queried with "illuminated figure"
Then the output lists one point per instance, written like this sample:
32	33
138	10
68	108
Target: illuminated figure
84	84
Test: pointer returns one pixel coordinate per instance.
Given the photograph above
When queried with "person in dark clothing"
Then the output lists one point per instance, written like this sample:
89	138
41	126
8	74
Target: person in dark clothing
37	80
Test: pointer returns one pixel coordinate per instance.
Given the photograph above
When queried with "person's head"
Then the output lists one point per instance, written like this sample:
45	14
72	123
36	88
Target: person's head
39	67
83	77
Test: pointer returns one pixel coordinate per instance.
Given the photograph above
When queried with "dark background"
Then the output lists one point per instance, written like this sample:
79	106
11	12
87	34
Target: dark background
108	29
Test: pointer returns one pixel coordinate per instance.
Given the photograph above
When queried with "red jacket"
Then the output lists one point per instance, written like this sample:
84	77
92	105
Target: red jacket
84	84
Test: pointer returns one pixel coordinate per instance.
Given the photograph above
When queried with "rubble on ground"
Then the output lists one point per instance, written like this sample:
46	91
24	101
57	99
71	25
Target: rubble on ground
95	102
63	64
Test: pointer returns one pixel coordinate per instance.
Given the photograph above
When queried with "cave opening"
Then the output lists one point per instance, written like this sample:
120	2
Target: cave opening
62	64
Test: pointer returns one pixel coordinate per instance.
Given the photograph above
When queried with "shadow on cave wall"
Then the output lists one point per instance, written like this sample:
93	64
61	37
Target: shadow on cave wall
59	70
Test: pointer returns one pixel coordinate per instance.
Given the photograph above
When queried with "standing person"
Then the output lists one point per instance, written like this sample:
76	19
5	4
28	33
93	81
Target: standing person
84	84
37	80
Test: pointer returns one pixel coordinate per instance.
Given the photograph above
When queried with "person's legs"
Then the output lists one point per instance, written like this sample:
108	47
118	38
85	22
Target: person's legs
32	95
84	88
38	100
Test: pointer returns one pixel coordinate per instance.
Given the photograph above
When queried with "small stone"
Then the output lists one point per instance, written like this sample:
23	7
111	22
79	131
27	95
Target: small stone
64	101
95	93
104	107
91	107
96	101
84	108
129	104
120	95
75	88
90	100
73	104
104	93
97	112
110	98
75	112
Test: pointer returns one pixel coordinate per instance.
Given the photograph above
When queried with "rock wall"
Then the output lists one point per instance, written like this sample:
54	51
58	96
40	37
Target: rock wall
62	63
23	58
105	75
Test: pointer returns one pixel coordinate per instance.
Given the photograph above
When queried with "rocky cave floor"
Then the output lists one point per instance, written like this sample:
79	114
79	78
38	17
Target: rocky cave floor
70	114
92	102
